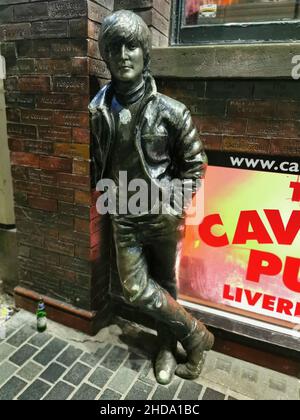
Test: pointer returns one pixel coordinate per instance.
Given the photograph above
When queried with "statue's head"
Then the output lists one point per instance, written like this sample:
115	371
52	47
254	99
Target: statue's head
125	45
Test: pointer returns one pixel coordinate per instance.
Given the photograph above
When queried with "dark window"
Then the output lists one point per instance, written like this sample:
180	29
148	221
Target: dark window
207	21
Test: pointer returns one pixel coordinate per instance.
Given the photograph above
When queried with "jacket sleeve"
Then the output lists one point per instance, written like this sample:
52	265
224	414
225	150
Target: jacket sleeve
95	149
191	159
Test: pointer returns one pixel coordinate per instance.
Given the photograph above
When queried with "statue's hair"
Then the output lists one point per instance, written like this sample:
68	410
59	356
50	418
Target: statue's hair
128	26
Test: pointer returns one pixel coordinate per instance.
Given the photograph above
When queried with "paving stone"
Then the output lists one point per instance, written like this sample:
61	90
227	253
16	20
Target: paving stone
6	371
77	374
5	332
21	336
123	380
69	356
35	391
144	375
135	362
50	351
278	385
11	389
212	395
250	375
166	393
23	355
5	351
86	393
190	391
100	377
60	392
109	395
115	358
222	364
139	391
92	359
53	373
40	339
30	371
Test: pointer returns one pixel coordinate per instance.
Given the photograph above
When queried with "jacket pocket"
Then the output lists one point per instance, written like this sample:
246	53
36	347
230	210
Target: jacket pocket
155	147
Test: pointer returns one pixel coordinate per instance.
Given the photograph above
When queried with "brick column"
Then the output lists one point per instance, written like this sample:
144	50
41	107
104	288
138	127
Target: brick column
54	69
156	13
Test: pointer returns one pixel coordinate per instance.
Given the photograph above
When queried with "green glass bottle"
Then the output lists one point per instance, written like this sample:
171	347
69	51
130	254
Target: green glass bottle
41	317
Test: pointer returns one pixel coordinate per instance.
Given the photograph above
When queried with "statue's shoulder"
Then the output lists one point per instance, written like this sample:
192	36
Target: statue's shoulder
170	104
99	99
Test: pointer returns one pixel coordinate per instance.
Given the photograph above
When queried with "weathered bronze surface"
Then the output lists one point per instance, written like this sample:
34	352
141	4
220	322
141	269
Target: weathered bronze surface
150	137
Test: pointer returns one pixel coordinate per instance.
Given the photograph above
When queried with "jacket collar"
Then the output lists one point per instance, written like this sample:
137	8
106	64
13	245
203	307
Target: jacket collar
103	98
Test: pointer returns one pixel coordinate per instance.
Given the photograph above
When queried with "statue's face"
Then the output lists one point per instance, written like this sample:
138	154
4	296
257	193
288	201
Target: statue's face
126	61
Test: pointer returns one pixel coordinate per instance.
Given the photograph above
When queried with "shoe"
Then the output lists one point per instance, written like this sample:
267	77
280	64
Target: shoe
165	366
195	344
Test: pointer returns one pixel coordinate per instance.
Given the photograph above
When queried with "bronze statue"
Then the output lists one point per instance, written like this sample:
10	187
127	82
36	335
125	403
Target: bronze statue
149	137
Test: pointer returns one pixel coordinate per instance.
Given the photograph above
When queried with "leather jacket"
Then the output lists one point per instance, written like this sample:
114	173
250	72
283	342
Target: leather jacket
165	137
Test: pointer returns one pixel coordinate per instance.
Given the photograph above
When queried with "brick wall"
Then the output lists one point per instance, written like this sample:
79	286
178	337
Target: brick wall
156	13
54	68
251	116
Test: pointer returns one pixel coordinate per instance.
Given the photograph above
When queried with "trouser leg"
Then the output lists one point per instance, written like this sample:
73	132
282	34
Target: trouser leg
161	258
141	290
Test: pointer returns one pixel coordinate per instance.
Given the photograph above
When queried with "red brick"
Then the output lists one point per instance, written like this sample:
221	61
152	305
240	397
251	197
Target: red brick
14	31
288	110
63	248
28	187
48	177
81	135
79	65
42	203
82	225
251	109
54	101
63	194
13	115
25	159
53	66
36	117
71	119
16	145
215	125
83	197
56	164
83	253
211	142
98	13
282	129
72	150
93	30
55	134
19	172
78	28
285	147
31	12
21	130
81	167
93	49
11	83
246	144
74	181
38	147
34	84
79	85
50	29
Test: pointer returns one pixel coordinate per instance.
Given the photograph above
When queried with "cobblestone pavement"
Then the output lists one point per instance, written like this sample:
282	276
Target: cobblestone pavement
63	364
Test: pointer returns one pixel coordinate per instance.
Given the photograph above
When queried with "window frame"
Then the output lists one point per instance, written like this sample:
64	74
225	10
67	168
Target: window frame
234	33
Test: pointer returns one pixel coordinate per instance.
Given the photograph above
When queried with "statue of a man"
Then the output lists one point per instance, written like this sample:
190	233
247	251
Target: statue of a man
151	138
